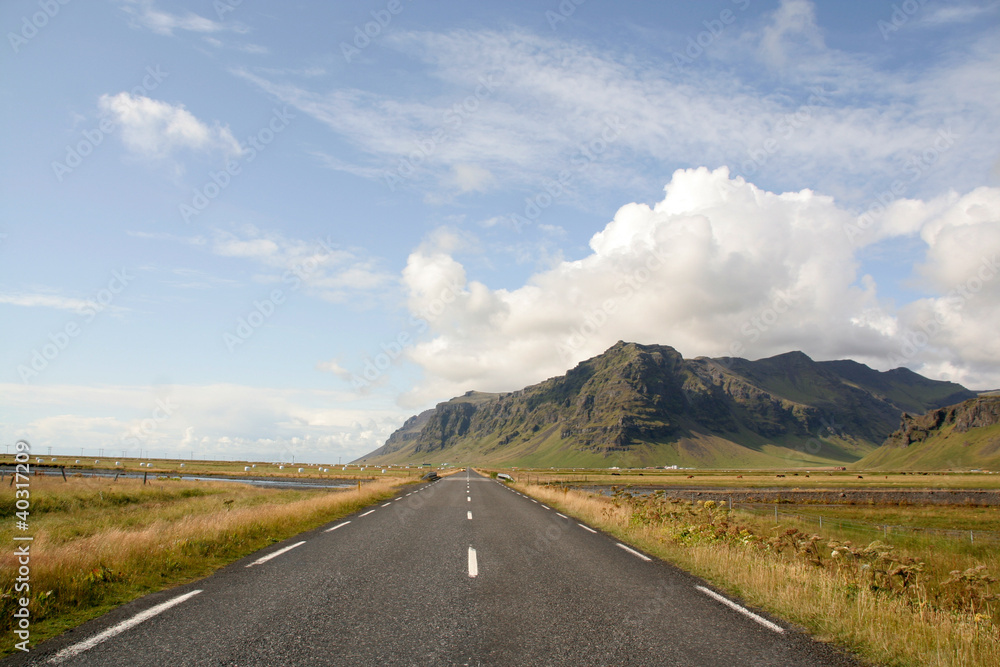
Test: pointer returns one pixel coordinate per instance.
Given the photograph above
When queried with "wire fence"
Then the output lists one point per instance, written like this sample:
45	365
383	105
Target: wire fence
886	530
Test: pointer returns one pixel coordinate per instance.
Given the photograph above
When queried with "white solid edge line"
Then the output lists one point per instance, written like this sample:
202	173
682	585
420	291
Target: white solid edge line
77	649
275	554
470	515
634	552
366	513
746	612
473	564
588	528
339	525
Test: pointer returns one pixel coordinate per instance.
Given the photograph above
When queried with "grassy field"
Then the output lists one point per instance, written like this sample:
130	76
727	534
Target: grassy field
815	479
893	602
226	468
958	518
99	543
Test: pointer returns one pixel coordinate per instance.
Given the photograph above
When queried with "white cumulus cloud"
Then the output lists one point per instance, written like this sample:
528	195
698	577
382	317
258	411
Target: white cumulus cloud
155	129
719	267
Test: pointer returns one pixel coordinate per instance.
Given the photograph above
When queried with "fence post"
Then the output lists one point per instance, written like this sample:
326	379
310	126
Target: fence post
821	522
776	512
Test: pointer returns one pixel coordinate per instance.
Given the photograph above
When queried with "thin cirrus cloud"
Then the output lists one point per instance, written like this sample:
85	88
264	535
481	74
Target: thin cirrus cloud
322	267
54	301
144	14
153	129
319	266
844	124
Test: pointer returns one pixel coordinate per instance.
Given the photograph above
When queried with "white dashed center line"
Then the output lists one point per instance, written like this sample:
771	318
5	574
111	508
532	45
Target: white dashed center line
468	499
746	612
387	504
339	525
634	552
77	649
587	528
275	554
473	564
470	516
562	515
367	513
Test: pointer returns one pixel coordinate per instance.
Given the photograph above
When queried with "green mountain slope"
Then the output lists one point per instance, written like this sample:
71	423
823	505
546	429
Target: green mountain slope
647	405
958	437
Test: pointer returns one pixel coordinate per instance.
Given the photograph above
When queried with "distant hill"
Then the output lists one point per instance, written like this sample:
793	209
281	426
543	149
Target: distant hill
960	436
639	405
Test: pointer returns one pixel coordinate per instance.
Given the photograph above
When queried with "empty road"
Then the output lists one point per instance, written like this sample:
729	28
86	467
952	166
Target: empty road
463	571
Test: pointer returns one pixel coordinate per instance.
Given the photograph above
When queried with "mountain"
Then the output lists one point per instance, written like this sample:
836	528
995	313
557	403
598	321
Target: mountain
639	405
960	436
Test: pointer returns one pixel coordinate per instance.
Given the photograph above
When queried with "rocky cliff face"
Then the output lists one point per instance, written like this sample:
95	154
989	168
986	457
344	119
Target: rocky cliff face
635	396
975	413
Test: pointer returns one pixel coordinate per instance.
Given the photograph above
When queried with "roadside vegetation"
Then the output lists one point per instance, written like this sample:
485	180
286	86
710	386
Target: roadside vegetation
920	601
758	479
159	466
100	543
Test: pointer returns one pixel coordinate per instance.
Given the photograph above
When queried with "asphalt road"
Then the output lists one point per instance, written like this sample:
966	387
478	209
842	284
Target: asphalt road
463	571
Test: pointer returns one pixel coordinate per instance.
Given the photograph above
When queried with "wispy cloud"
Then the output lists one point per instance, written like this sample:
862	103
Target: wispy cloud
198	280
45	301
143	13
840	125
958	13
165	236
153	129
323	267
54	301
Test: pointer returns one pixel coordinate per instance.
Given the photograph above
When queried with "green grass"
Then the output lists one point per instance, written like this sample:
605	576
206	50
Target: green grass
51	465
978	448
818	478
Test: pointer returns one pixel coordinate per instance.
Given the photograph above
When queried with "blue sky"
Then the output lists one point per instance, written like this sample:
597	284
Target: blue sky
264	229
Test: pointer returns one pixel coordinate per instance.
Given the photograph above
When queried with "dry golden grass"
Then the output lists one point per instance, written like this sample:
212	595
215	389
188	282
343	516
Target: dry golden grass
98	544
881	628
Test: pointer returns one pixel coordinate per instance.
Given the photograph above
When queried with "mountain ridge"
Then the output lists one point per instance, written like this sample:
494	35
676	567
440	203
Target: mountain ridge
961	436
646	405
